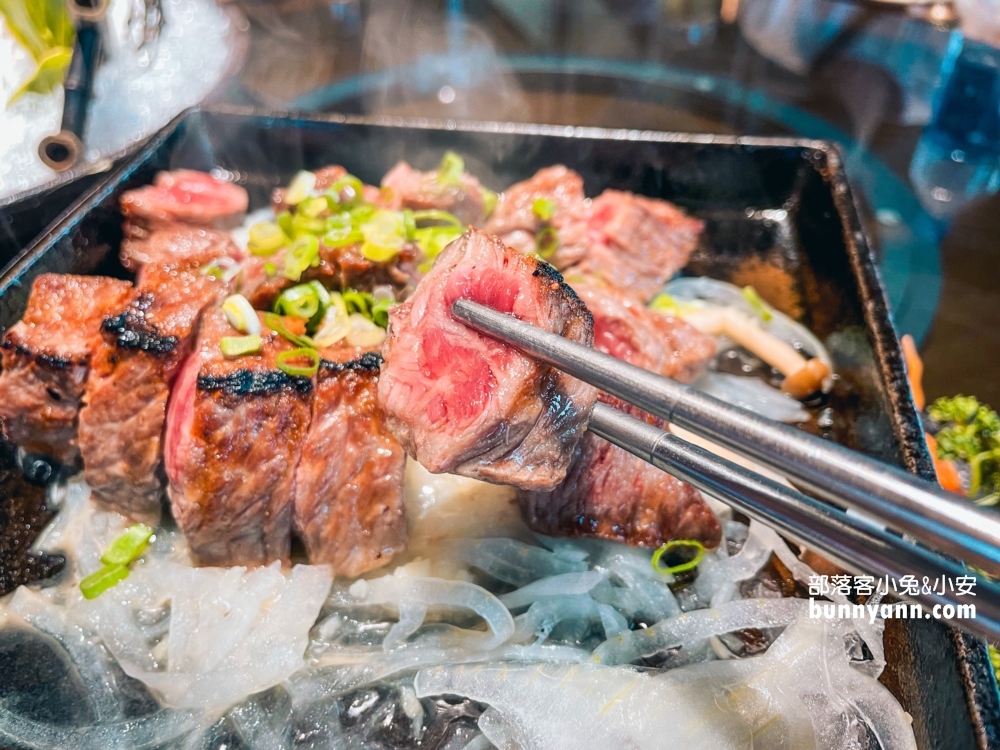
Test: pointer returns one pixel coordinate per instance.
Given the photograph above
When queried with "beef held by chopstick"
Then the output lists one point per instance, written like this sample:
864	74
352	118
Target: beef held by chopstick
349	481
547	212
464	403
637	243
121	424
183	196
234	434
46	359
608	492
179	243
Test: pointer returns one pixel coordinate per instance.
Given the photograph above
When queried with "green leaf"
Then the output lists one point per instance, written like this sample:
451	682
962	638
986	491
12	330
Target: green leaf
50	73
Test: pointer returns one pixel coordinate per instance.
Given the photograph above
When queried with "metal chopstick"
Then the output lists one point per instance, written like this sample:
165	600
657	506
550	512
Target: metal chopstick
901	501
854	545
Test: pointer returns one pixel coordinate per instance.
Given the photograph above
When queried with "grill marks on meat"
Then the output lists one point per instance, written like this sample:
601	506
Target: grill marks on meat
177	244
637	243
121	424
187	197
608	492
46	359
418	190
462	402
516	223
234	436
349	481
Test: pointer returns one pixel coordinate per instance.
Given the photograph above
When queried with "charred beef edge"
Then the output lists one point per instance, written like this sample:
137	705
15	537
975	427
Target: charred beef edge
368	362
132	331
48	361
552	273
247	383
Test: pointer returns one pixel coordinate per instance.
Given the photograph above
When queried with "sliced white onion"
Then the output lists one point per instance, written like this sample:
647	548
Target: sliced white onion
364	332
241	315
336	323
705	291
300	187
752	394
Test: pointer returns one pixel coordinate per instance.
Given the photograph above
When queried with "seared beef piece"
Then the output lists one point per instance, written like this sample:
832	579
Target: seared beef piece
637	243
325	177
235	431
183	196
464	403
516	222
608	492
611	494
339	268
349	481
121	424
178	244
46	358
423	190
625	328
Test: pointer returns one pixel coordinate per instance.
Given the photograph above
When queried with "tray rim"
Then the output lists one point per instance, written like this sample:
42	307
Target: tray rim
975	671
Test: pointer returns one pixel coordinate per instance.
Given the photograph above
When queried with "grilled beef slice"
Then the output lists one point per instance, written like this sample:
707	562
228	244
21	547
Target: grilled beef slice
349	481
608	492
178	243
125	402
516	221
46	358
411	188
464	403
183	196
637	243
234	434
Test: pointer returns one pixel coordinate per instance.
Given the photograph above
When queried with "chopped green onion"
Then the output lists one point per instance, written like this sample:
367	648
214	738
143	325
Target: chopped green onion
322	292
360	214
355	301
546	242
300	301
301	255
97	583
299	188
348	190
758	305
270	270
451	168
666	304
432	240
409	224
443	217
312	207
380	312
240	314
684	566
489	202
544	208
384	235
238	346
276	324
302	225
284	220
284	358
224	268
128	546
386	195
266	238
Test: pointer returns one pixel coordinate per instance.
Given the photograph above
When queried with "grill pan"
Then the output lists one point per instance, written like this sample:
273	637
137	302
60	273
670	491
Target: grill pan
779	215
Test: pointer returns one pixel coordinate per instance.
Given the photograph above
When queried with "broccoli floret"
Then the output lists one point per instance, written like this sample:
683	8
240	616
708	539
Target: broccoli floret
970	432
959	409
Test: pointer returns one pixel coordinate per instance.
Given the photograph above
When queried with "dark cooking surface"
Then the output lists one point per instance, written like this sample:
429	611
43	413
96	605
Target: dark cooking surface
779	216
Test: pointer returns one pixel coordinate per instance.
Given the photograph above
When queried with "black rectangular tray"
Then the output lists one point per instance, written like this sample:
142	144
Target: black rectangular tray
779	215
